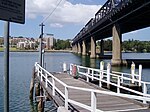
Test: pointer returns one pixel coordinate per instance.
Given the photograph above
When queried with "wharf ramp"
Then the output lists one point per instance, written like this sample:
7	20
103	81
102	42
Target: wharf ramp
77	95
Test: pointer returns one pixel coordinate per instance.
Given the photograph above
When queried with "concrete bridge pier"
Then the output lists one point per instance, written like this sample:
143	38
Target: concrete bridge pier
102	47
79	48
116	46
83	48
73	48
93	48
76	48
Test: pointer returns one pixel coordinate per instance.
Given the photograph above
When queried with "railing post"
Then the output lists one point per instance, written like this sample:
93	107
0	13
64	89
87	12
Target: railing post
87	77
140	74
108	75
66	98
46	81
92	75
70	69
101	73
122	78
101	68
41	76
93	102
53	82
38	72
132	71
118	85
144	91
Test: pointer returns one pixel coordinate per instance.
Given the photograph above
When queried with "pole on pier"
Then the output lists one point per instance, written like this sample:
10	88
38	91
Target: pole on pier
41	38
6	66
32	84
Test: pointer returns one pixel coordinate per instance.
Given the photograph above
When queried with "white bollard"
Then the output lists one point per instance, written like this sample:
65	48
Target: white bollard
64	67
140	74
108	75
101	68
132	71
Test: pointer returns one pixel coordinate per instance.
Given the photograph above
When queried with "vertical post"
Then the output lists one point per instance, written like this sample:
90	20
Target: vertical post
108	75
140	74
93	48
83	48
64	67
122	78
118	85
144	91
43	51
102	47
101	68
132	71
46	80
116	45
101	73
66	98
92	75
70	69
79	48
41	37
53	82
41	75
6	67
87	77
93	102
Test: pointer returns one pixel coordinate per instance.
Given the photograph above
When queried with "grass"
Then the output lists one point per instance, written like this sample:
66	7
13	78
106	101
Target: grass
11	49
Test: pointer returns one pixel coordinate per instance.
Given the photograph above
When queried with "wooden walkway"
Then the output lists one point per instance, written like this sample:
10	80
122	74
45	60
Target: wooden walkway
104	102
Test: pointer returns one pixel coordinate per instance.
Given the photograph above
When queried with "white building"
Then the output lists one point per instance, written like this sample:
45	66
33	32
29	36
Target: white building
49	40
26	45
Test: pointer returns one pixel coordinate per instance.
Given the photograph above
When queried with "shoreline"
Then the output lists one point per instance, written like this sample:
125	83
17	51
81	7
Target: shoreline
38	51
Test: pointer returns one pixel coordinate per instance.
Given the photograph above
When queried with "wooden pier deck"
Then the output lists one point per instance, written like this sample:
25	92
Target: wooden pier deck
104	102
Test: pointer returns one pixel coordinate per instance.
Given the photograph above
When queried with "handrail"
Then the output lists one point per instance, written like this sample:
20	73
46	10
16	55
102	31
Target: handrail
99	78
44	74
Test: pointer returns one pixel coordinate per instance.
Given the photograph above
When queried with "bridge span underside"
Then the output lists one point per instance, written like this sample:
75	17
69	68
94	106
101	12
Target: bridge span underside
114	18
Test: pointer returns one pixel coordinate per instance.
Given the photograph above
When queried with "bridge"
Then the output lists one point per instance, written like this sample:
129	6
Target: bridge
76	93
114	18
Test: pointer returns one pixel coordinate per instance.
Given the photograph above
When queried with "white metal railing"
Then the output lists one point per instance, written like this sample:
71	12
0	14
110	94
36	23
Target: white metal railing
120	78
51	80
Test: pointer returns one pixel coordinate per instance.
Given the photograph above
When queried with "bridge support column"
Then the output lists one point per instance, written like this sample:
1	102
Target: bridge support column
73	48
83	48
102	47
93	48
79	48
117	40
76	48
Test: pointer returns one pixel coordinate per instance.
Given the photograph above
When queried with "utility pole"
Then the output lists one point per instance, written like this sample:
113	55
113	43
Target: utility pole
6	66
41	38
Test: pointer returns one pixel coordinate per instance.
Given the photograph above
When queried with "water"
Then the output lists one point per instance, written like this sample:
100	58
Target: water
21	65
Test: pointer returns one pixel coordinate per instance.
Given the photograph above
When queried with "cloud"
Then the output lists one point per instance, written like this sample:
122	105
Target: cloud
65	13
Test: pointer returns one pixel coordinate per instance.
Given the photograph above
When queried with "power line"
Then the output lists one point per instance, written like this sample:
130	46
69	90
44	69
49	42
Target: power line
46	18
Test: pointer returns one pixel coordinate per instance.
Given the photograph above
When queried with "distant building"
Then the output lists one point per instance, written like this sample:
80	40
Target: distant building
49	40
26	45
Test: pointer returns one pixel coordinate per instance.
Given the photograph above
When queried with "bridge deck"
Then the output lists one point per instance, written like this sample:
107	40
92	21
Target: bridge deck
105	102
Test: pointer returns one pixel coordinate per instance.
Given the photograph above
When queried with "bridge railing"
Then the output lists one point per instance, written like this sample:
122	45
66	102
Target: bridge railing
117	79
105	12
50	82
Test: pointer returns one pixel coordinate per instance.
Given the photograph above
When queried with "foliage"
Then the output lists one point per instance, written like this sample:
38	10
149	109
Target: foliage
62	44
129	45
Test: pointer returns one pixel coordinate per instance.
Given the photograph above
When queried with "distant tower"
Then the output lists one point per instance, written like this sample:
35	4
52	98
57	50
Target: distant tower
49	40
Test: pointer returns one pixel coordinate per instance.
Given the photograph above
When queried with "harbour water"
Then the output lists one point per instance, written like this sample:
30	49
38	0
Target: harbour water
21	65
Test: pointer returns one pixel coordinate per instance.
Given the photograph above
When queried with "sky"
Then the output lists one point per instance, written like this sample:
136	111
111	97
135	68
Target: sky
65	22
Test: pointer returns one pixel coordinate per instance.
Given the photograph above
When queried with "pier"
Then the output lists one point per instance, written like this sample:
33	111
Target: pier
75	92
